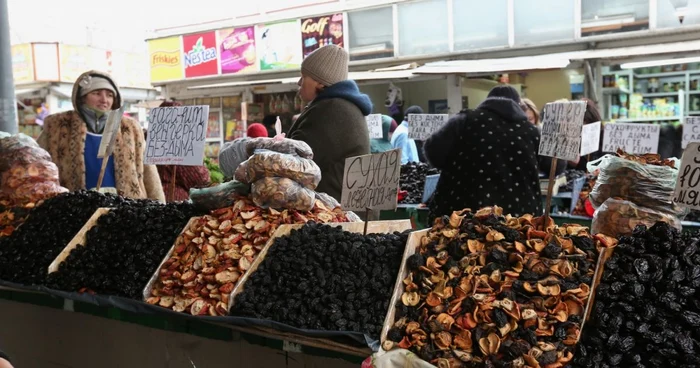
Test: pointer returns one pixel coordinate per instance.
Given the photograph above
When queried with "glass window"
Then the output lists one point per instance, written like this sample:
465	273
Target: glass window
423	27
480	24
614	16
371	33
543	21
677	13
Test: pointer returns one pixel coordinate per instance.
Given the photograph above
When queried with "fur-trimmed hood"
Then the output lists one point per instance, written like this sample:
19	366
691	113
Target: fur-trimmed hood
85	78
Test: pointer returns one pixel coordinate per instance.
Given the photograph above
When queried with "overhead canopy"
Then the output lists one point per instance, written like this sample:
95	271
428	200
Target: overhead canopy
29	89
493	65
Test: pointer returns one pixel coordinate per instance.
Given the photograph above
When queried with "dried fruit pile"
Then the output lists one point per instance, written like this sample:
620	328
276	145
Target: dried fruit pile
571	176
123	250
213	253
11	218
492	290
647	310
413	180
323	278
27	253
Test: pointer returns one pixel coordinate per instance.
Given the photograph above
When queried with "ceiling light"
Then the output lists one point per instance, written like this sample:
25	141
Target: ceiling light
646	64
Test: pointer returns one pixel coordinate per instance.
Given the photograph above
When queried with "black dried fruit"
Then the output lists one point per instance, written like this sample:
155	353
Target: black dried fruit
412	180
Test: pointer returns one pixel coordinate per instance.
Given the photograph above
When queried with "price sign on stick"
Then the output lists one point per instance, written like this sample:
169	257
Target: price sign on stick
422	126
371	181
691	130
176	135
687	192
109	135
590	138
635	138
374	124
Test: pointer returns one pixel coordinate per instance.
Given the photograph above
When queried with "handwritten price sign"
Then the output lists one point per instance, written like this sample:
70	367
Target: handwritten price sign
561	129
176	135
687	191
371	181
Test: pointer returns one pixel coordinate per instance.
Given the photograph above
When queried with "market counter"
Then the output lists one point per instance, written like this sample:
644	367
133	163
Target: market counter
66	333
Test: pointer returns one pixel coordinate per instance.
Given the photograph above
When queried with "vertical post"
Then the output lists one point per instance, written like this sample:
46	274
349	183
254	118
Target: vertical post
8	104
550	187
368	212
172	184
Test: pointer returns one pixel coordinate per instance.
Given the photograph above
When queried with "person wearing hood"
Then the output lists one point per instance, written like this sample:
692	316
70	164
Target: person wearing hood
333	123
487	156
409	151
383	144
73	138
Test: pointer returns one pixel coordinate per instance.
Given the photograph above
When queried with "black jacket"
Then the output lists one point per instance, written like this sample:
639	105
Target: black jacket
487	156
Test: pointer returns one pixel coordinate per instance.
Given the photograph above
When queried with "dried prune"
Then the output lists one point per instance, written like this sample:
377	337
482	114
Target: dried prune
412	180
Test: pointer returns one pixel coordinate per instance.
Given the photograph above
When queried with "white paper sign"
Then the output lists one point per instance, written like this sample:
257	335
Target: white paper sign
687	192
590	138
176	135
371	181
561	129
422	126
374	124
691	130
634	138
109	134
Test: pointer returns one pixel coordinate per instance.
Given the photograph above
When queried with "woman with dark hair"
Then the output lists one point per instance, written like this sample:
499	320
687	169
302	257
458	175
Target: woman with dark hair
591	115
487	156
269	123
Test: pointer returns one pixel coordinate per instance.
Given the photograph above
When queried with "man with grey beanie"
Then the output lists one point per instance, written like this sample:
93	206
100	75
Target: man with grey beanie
333	123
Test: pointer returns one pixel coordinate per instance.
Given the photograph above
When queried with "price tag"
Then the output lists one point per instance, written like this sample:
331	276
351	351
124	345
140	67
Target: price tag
374	124
590	138
109	134
561	129
176	135
422	126
687	192
635	138
371	181
431	182
691	130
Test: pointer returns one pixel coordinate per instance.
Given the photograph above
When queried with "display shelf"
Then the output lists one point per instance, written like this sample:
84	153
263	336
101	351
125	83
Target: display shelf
694	92
615	90
641	120
661	75
693	112
660	94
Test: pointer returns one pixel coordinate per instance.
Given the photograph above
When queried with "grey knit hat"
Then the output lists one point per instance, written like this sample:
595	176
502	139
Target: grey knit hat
327	65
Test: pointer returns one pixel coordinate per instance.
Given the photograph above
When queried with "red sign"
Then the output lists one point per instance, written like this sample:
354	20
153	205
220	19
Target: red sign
200	54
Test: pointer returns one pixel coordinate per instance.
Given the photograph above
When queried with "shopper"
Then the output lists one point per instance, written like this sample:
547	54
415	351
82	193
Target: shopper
333	123
383	144
487	156
4	360
257	130
591	115
409	151
269	122
73	139
533	115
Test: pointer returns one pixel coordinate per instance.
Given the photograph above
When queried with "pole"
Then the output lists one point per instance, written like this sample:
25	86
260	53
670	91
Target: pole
8	104
550	187
172	184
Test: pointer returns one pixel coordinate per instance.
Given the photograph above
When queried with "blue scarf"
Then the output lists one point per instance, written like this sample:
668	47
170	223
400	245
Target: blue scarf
349	91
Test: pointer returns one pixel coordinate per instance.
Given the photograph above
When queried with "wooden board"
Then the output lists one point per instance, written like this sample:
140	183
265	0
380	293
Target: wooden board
284	230
78	240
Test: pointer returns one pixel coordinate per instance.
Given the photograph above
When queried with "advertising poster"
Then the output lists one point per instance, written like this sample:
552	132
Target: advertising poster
165	56
22	64
278	45
317	32
237	50
200	55
46	62
75	60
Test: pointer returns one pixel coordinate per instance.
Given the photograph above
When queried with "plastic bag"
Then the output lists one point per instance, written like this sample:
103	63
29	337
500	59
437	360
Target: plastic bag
648	185
617	218
290	146
282	193
264	164
218	196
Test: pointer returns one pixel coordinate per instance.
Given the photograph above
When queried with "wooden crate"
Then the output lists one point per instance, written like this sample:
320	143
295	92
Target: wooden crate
284	230
412	245
78	240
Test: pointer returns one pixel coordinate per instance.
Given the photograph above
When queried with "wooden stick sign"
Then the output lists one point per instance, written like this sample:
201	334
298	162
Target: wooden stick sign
109	136
561	137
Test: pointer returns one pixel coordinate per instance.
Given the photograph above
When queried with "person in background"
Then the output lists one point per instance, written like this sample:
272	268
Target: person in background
257	130
383	144
392	129
73	138
333	123
409	151
186	177
269	123
533	115
487	156
590	116
4	360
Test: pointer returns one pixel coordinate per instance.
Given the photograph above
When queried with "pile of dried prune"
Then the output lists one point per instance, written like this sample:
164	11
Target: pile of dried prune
123	250
571	176
324	278
647	310
26	255
487	290
413	180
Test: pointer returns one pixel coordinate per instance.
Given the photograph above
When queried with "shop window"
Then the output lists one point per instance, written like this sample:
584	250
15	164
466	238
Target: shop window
423	28
371	34
614	16
677	13
538	21
480	24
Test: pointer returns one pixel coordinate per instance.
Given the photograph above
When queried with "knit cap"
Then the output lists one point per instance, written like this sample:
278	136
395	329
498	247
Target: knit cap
94	83
327	65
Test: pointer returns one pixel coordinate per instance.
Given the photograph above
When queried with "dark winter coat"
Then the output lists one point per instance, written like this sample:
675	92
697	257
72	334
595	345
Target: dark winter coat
334	126
487	156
